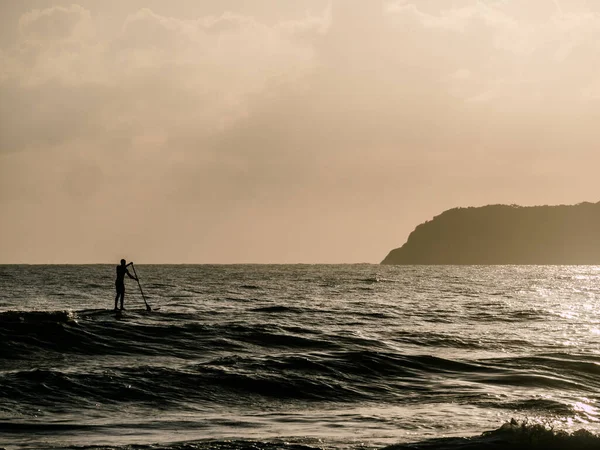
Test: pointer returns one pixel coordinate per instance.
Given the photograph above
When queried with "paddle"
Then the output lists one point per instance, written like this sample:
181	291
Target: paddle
138	280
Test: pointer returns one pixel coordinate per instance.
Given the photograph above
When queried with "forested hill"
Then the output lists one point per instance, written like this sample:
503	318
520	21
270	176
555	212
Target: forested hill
506	234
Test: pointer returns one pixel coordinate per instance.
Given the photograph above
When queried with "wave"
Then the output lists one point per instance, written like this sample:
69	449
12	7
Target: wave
513	435
36	317
197	445
340	376
82	331
372	280
278	309
31	335
64	359
102	332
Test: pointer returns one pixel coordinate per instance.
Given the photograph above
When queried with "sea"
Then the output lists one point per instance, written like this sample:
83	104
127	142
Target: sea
300	357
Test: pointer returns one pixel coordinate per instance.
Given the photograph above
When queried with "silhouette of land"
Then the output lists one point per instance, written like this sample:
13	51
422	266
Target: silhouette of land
506	234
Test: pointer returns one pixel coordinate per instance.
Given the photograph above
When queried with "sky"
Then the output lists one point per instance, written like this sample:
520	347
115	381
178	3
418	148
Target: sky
280	131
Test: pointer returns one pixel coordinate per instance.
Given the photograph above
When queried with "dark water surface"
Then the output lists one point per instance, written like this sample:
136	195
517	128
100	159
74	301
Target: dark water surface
298	357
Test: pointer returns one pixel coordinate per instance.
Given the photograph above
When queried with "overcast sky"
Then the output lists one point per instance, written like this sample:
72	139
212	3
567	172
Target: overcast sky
280	131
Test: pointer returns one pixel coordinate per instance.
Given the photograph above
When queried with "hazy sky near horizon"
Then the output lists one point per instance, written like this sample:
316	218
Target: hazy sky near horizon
316	131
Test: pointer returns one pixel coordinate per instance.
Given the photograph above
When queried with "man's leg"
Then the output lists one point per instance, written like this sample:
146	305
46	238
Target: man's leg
122	299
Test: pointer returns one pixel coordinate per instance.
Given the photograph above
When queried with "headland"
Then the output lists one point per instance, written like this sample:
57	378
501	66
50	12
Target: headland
506	234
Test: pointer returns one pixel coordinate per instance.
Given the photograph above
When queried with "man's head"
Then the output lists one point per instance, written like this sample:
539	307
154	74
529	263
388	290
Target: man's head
123	262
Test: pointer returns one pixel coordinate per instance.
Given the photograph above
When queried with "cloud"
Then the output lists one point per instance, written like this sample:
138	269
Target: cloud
179	73
56	23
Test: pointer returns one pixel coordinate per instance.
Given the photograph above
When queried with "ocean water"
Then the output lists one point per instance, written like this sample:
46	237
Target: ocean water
301	357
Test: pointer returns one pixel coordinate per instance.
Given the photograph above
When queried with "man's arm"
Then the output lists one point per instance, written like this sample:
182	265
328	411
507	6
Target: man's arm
129	275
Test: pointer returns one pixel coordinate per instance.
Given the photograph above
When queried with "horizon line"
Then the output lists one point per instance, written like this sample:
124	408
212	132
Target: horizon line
194	264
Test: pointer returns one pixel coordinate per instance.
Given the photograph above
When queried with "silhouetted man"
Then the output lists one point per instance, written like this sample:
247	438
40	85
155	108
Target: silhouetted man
120	282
